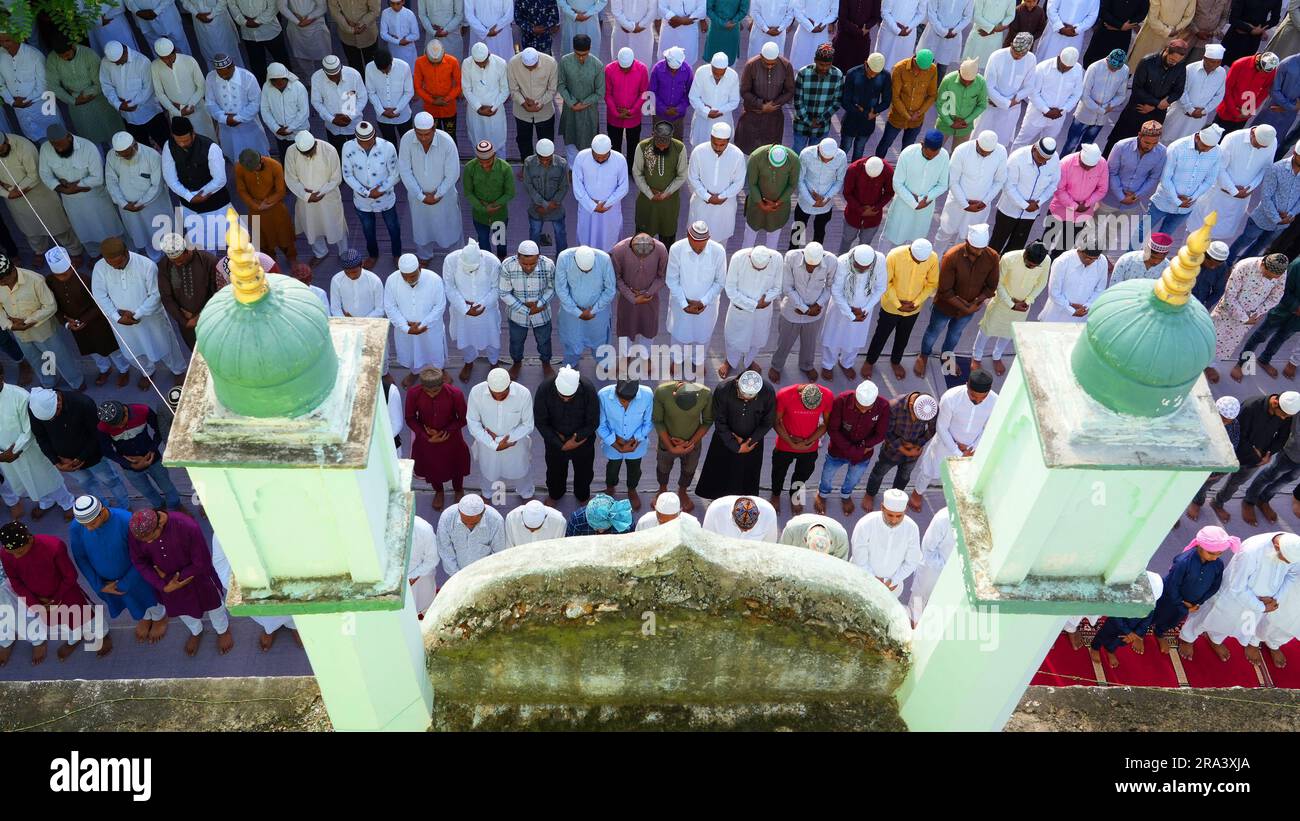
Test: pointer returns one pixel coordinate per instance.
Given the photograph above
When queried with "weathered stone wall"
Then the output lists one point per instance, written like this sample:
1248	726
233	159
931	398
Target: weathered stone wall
670	628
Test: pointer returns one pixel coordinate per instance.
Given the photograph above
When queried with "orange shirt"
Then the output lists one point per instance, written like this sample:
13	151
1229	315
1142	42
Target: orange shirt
441	79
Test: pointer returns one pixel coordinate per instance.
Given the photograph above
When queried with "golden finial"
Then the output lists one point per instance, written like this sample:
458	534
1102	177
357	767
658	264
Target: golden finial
1175	285
246	274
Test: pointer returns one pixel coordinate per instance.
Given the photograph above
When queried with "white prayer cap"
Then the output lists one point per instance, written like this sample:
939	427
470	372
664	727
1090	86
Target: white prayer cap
1265	135
770	51
925	407
625	57
668	503
43	402
1214	51
987	139
814	252
163	47
365	130
585	258
424	121
1211	134
433	49
567	381
759	255
977	236
1069	56
827	147
122	141
921	249
173	245
1229	406
1218	250
479	52
675	56
529	56
277	71
1090	153
1289	544
58	260
895	500
1289	402
601	144
470	256
874	166
113	51
528	248
864	255
498	379
750	383
408	263
471	504
719	59
866	393
721	131
969	69
545	147
86	508
304	140
534	514
332	65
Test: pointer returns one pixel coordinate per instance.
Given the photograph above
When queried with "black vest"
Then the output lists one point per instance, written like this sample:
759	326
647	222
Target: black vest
192	172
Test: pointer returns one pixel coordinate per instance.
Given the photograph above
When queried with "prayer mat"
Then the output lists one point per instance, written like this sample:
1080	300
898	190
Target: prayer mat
1065	666
1205	669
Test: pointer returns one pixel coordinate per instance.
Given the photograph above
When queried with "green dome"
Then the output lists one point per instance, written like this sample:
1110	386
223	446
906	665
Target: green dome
1139	354
272	357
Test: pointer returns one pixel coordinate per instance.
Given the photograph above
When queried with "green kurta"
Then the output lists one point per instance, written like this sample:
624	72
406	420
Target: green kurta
95	120
659	174
581	83
483	188
957	100
770	182
721	38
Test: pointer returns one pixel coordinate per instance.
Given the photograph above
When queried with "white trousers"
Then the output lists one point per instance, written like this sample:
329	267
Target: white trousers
61	496
471	353
219	617
999	345
321	248
116	359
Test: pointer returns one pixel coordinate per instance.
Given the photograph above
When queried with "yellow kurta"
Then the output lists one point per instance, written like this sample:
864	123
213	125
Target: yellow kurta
1015	281
909	280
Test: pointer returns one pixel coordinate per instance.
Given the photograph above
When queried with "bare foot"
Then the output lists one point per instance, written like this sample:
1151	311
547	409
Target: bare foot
975	364
819	504
1076	640
158	630
1094	655
685	498
867	368
1253	655
1185	650
1235	373
17	511
1138	647
828	374
773	375
723	370
192	644
1212	376
439	499
795	507
1268	369
1279	660
1268	511
225	642
998	367
1111	659
868	502
846	505
634	498
466	371
775	499
5	653
1289	370
515	370
914	503
142	383
1221	512
919	367
1193	511
123	378
1248	513
1163	644
38	653
105	647
851	373
266	641
810	375
66	650
1221	651
899	371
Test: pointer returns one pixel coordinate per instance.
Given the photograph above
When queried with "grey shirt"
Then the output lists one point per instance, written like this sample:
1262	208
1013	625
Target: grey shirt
546	184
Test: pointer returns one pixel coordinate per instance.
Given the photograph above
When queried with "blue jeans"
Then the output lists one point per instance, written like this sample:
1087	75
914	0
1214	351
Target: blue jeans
891	133
537	227
64	359
1252	242
856	145
1079	134
1161	221
484	234
832	466
955	325
139	479
798	142
394	232
102	481
541	335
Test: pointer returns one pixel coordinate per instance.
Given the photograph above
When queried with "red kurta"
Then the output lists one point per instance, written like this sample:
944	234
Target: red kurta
438	462
46	572
1246	91
861	189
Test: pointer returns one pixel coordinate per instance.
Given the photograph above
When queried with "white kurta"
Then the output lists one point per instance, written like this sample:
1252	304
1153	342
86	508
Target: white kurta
709	173
131	82
1008	82
651	520
347	97
421	573
447	15
685	37
435	171
987	16
112	25
569	25
718	519
239	96
217	34
483	15
360	297
319	173
166	22
22	77
708	94
1071	281
289	109
896	14
182	92
92	214
1049	88
393	89
489	421
595	182
843	338
915	178
466	289
889	553
747	327
960	422
971	176
425	303
31	474
485	86
1201	90
1082	14
139	181
1235	611
400	32
936	547
692	276
552	527
1243	165
628	14
135	288
766	15
941	18
308	44
1026	181
810	14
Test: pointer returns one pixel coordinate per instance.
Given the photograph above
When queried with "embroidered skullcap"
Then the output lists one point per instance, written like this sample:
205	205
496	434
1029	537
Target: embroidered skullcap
471	504
484	150
811	395
1276	263
749	383
143	522
1228	406
14	535
925	407
745	513
351	258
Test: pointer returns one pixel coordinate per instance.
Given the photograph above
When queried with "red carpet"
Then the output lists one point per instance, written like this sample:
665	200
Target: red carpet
1205	669
1151	669
1065	666
1288	676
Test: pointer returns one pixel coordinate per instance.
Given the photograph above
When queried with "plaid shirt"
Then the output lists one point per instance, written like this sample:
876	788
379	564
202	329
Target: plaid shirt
904	427
816	97
518	287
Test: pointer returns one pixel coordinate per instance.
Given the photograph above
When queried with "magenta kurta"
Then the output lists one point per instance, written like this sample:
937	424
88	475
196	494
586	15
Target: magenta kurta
1079	190
438	462
625	89
179	549
633	274
45	572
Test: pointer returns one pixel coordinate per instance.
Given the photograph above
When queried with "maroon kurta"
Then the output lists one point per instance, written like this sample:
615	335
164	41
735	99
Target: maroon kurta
851	45
72	296
634	274
760	84
180	549
46	572
438	462
862	189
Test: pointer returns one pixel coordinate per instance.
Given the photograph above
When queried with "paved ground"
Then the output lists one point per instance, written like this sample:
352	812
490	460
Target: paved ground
167	660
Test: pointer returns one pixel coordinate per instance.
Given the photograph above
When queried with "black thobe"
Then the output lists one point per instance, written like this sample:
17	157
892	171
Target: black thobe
1154	81
726	470
1239	41
1114	13
556	420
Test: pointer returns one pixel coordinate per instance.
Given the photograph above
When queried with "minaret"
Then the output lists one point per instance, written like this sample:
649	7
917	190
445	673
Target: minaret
1101	435
284	431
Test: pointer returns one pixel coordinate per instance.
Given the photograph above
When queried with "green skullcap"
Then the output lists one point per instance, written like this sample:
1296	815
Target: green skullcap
777	155
924	59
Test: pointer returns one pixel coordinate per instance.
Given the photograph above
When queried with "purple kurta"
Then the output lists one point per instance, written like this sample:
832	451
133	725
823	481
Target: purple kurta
670	90
438	462
181	549
633	274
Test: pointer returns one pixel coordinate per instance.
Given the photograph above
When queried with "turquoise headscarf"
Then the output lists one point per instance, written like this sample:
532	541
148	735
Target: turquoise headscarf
603	513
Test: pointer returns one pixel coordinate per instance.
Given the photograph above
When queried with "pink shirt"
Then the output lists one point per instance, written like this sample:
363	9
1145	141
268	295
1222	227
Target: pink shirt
625	89
1080	189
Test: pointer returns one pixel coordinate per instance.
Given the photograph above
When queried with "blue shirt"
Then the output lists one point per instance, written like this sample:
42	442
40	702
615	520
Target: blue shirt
1131	170
632	422
1286	85
102	555
1188	173
872	94
1280	191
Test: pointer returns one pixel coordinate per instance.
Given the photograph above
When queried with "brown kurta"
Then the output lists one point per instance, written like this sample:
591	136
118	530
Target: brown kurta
1032	20
275	226
632	275
760	84
72	296
185	289
915	91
